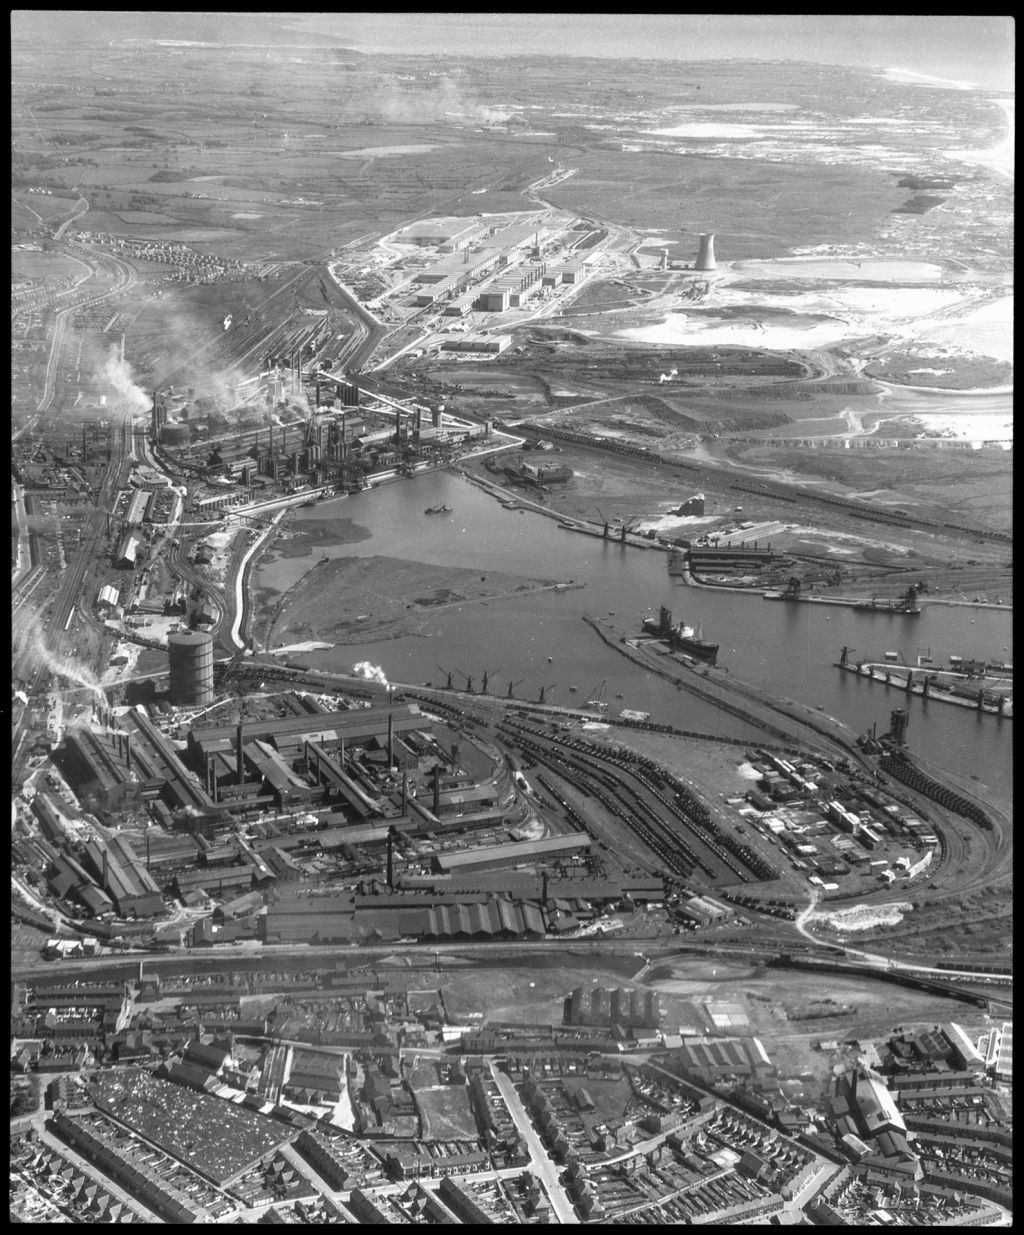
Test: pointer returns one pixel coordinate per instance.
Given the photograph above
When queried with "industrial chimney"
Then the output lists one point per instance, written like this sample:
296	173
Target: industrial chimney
706	253
436	807
239	762
391	739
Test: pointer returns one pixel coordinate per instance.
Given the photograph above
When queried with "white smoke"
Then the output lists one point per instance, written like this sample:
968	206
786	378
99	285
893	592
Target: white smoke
369	673
118	373
442	100
667	377
227	322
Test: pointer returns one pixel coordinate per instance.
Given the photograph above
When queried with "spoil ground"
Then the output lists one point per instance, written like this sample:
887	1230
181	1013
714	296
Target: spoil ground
350	601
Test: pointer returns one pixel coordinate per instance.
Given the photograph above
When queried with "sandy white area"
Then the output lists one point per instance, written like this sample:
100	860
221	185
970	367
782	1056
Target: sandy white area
740	107
861	917
748	772
245	215
814	267
707	129
1000	156
909	78
985	331
968	428
675	523
679	329
381	152
311	645
898	301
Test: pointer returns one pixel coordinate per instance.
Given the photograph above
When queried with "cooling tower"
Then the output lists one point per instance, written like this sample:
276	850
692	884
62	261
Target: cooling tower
191	660
706	253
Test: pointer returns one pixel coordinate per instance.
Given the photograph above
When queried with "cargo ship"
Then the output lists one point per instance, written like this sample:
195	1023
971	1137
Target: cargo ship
439	509
681	638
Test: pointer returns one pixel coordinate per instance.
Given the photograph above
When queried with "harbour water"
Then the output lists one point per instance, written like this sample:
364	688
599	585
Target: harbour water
541	640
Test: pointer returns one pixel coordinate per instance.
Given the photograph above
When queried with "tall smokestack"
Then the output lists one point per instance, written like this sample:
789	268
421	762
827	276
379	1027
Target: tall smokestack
391	858
405	793
239	762
128	752
147	847
437	789
106	870
391	739
706	253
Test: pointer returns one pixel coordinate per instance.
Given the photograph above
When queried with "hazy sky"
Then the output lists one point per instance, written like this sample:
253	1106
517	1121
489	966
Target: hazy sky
975	49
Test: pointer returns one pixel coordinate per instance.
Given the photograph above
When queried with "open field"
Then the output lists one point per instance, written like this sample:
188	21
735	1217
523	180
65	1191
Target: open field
446	1113
978	483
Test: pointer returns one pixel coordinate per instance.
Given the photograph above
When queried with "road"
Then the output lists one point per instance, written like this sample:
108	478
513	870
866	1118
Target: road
540	1163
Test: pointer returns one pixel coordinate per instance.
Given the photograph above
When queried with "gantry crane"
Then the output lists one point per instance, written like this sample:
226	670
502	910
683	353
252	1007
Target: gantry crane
448	675
512	686
544	690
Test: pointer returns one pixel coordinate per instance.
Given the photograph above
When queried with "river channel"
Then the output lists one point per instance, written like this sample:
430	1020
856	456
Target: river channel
540	639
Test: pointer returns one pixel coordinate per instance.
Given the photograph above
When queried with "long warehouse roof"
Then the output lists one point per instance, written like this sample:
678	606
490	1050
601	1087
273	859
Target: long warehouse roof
351	723
522	851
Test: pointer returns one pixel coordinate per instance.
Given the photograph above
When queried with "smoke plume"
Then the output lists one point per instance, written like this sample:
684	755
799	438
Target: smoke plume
369	673
118	373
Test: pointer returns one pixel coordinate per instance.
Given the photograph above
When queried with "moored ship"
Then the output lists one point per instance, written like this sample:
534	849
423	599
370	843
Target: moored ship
439	509
681	638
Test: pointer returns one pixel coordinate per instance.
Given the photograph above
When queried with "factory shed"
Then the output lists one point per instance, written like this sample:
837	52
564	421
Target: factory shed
127	554
123	877
499	918
876	1108
457	799
496	856
109	597
290	732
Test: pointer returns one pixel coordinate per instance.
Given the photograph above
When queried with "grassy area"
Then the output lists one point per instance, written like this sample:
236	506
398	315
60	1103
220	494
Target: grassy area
447	1114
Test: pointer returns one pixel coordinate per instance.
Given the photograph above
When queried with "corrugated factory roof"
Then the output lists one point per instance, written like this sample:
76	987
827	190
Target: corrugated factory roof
523	851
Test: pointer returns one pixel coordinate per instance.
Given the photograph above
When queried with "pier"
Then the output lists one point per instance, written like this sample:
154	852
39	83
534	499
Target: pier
987	695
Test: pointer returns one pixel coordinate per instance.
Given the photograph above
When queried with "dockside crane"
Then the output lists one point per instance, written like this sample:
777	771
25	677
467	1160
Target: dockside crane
483	685
469	680
448	675
512	686
544	690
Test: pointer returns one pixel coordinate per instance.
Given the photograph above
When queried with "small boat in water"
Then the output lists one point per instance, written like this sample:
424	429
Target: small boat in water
439	509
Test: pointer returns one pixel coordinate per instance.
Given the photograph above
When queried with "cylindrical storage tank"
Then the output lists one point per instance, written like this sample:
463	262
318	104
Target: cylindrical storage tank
175	435
191	661
706	253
